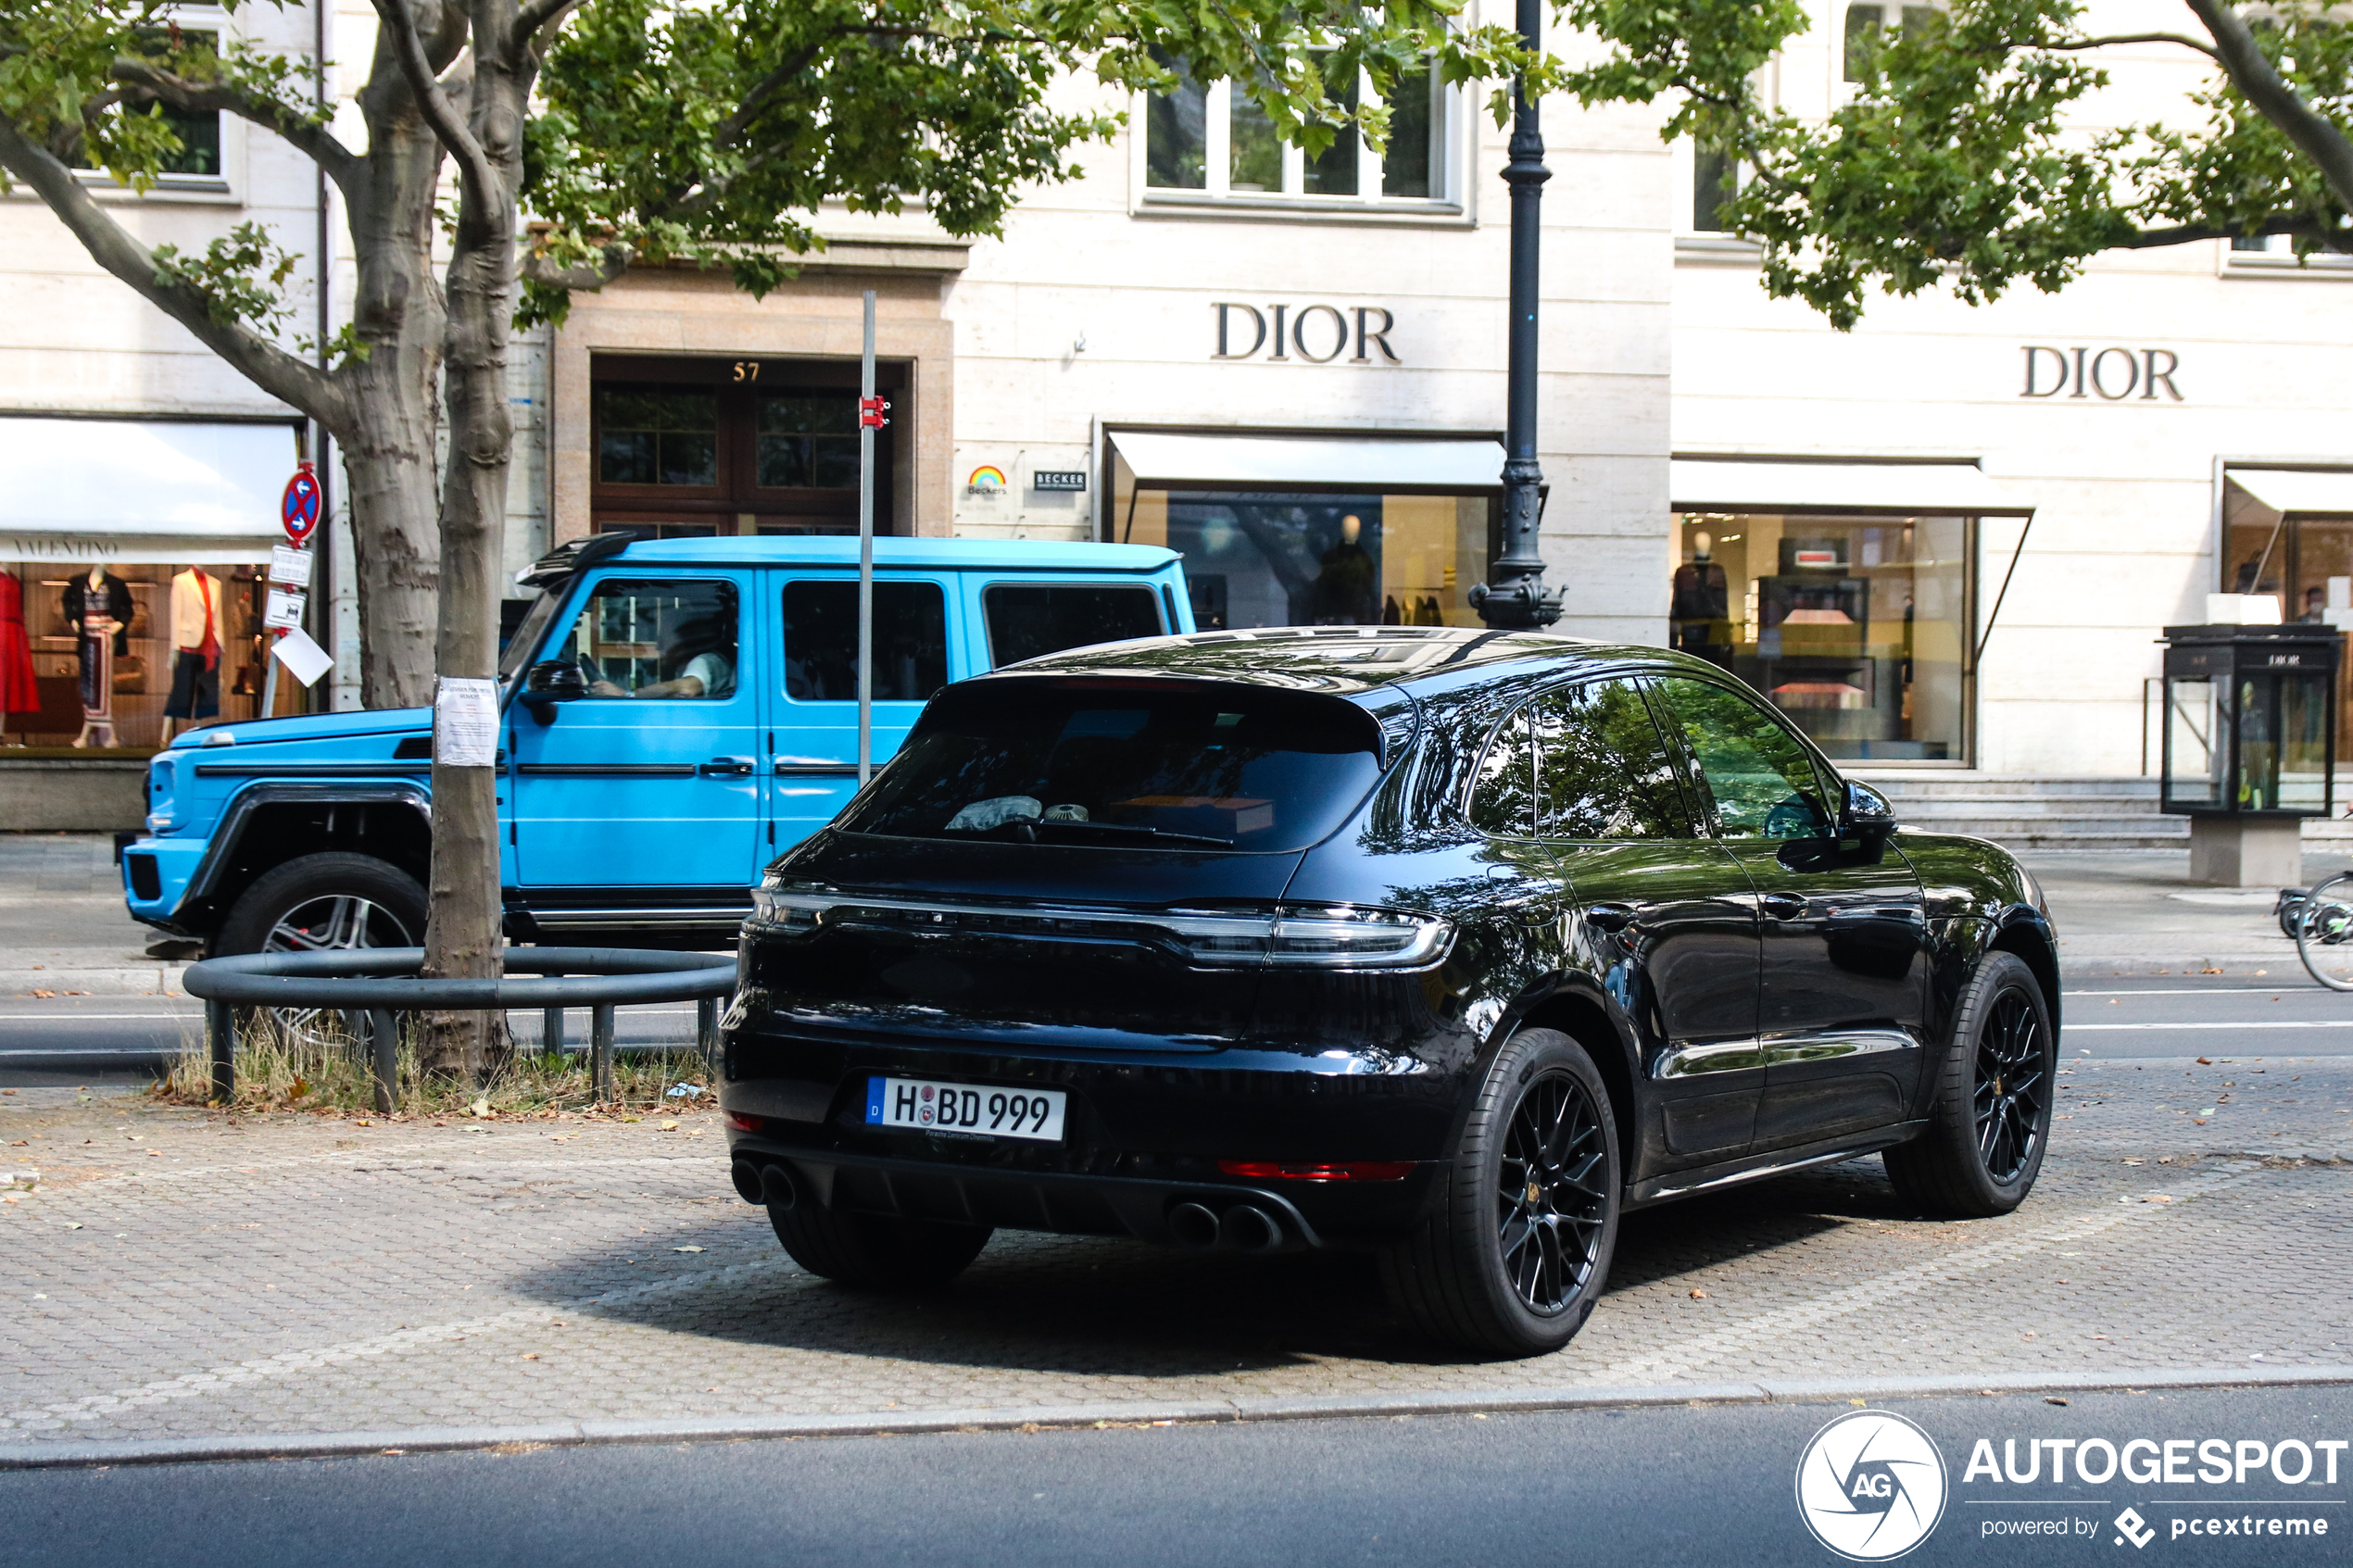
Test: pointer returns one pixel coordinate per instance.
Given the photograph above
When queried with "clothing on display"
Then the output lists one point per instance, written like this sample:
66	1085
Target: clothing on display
19	692
196	687
100	595
195	641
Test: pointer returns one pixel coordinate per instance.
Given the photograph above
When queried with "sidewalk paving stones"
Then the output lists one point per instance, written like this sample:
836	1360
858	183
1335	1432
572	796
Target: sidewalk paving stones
186	1278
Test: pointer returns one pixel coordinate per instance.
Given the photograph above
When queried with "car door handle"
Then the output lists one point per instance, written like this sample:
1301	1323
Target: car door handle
1610	917
727	767
1782	905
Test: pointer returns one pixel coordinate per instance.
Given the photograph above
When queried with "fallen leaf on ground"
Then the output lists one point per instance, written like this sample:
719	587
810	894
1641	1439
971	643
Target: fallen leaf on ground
698	1249
1699	1295
667	1127
2205	1061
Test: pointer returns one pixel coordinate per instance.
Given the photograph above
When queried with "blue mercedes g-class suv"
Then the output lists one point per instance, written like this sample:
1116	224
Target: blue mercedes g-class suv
676	713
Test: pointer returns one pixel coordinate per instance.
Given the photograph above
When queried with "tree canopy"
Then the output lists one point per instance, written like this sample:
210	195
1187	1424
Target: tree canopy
1968	154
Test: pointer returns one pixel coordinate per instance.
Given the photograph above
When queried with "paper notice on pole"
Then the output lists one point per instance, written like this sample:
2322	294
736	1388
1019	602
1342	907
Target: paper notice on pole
465	723
305	659
290	566
284	611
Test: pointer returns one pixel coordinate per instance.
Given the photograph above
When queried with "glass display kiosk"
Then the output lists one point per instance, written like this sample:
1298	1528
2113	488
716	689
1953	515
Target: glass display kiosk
2250	744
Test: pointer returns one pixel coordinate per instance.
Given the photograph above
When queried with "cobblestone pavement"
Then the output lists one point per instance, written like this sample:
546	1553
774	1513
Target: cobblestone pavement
177	1274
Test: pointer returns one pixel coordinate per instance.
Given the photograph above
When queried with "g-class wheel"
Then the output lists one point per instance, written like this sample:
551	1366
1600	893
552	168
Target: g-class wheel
321	903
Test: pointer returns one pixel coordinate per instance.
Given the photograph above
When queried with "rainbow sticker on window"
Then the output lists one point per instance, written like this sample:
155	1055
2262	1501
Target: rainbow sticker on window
987	477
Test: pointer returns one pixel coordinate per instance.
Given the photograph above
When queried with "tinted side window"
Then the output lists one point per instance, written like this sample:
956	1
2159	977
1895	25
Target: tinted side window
821	641
1503	798
1029	621
1602	770
1762	780
659	637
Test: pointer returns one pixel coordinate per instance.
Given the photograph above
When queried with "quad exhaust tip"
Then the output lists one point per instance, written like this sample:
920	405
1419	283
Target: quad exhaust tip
770	1186
1243	1228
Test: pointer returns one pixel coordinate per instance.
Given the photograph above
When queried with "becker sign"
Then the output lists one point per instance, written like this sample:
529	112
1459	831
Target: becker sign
2110	374
1317	333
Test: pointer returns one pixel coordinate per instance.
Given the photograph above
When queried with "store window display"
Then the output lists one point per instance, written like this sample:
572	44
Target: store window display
1308	559
1853	626
2305	564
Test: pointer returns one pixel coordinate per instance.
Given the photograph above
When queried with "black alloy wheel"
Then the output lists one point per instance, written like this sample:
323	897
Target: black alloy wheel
2012	1084
1552	1197
1515	1250
1990	1105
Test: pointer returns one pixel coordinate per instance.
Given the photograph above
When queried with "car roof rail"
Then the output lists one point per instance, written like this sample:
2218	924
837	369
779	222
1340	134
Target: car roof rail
574	555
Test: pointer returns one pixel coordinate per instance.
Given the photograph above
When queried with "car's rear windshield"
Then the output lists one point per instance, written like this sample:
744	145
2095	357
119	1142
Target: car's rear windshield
1131	764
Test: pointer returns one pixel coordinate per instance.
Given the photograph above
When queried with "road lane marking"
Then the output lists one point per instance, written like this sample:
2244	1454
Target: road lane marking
2259	1023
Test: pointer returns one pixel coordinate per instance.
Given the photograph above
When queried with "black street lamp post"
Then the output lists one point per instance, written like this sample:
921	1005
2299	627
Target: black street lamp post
1517	597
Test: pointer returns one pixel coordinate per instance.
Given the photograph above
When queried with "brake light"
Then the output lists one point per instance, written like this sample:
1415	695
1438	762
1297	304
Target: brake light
744	1124
1353	1171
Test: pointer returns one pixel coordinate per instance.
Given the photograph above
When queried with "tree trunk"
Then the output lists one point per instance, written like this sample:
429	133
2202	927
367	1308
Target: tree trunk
463	936
398	312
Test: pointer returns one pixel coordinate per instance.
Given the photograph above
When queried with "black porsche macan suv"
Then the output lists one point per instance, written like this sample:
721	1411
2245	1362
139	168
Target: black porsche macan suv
1448	944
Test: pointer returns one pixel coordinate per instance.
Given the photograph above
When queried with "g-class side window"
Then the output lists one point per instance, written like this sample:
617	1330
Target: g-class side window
821	641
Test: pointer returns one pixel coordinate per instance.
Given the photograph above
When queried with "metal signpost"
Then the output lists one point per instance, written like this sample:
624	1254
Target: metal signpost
290	578
870	419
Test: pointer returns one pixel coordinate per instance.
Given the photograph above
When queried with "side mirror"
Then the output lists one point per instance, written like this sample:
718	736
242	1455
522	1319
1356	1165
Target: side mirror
547	684
1868	816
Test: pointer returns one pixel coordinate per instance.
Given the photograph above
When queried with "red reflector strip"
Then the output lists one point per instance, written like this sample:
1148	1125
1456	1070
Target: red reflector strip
742	1123
1356	1170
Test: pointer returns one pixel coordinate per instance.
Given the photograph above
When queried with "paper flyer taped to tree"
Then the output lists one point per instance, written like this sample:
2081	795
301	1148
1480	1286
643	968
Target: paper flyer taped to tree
465	723
305	659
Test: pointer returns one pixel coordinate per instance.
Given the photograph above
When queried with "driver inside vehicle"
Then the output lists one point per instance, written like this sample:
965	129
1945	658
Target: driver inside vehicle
697	654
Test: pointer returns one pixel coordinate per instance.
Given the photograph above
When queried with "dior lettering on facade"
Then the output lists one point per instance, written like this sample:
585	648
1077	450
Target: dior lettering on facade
2112	373
1284	332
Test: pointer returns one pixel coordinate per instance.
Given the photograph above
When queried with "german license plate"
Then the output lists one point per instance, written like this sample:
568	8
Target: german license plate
970	1108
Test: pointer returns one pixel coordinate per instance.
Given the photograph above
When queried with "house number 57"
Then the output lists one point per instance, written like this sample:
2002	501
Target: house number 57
747	369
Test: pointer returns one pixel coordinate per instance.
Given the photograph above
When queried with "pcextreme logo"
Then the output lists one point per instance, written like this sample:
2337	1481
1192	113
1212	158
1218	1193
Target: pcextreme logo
1870	1485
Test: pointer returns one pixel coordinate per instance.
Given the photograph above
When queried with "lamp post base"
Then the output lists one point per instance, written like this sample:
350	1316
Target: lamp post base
2246	851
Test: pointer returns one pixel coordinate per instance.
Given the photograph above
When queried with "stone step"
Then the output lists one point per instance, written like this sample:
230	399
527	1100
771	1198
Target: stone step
1926	806
2062	837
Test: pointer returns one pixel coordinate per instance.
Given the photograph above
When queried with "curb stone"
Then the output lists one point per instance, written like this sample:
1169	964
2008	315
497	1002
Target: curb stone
443	1439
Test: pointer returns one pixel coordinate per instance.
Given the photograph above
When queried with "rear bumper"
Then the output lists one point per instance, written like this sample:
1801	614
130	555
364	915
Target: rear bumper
1034	1200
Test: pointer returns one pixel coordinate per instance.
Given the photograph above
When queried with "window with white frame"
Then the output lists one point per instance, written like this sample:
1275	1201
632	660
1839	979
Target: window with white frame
1205	141
198	163
2278	251
1870	26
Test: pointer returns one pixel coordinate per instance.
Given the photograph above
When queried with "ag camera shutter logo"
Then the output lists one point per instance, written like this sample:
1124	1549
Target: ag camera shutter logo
1870	1485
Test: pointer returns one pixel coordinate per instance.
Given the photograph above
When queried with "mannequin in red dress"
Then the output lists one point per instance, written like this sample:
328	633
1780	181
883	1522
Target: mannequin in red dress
19	692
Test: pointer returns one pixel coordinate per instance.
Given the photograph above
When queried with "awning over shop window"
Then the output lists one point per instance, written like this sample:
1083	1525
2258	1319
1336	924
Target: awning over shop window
1161	460
2327	492
1708	485
134	491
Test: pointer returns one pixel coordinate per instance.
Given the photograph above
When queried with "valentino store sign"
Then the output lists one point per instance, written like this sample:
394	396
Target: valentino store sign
1317	333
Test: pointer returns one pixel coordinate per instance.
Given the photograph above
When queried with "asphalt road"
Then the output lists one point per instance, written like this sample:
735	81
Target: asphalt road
1676	1484
67	1040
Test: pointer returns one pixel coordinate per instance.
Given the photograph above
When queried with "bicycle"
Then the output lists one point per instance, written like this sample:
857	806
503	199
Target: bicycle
2321	917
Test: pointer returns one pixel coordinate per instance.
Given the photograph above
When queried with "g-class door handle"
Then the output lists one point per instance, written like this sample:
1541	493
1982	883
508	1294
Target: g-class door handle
1608	917
1782	905
727	767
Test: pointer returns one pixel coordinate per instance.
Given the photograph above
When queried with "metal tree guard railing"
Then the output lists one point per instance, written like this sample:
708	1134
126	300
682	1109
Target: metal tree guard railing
380	982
